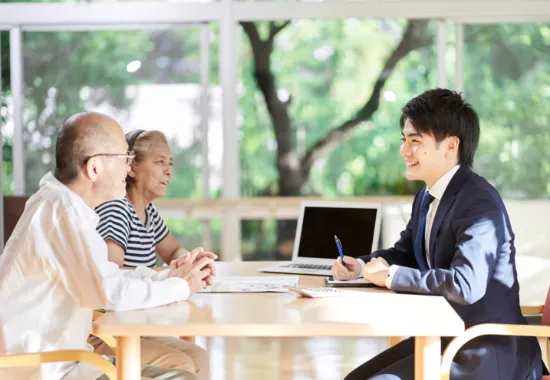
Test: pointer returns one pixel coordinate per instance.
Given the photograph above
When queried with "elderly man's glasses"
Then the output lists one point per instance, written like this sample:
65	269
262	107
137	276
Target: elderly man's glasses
129	156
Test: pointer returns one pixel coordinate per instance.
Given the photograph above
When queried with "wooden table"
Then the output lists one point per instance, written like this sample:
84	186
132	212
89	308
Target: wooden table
370	312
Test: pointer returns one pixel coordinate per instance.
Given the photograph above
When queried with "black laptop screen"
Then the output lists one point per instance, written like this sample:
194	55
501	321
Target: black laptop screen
353	226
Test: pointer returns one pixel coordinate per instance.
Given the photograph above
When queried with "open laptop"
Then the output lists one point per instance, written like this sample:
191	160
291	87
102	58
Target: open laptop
357	225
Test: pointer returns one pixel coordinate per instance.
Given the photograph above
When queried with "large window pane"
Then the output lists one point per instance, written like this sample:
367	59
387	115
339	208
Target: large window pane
4	118
190	233
323	74
507	79
144	79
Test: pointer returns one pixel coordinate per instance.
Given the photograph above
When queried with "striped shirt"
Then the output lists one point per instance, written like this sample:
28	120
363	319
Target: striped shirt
120	223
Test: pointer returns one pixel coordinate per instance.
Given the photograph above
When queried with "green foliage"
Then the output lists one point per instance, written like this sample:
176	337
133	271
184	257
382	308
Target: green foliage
327	69
507	76
68	72
189	232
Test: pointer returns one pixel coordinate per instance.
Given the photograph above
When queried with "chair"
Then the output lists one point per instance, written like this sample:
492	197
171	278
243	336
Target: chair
34	359
500	329
13	207
525	310
108	339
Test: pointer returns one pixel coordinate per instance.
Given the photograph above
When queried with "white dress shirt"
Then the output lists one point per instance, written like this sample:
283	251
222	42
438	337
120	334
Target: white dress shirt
437	191
55	270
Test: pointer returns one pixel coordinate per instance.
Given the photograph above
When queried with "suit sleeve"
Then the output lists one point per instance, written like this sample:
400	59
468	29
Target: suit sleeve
402	253
481	234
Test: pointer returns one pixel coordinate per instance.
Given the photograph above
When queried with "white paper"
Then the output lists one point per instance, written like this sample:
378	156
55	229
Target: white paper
359	280
251	284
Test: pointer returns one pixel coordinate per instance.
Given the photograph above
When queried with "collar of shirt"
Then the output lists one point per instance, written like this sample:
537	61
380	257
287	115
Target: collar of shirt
69	198
438	189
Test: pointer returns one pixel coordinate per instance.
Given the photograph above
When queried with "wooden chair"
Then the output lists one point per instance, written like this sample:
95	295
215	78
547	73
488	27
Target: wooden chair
525	310
500	329
28	360
13	207
108	339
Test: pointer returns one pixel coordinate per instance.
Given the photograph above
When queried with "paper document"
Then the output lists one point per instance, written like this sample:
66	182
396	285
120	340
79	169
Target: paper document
251	284
358	282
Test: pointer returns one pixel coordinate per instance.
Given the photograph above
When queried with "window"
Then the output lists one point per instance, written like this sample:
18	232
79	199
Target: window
322	74
144	79
507	80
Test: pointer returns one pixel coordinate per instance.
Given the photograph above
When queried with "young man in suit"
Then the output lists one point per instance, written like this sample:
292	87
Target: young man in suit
458	244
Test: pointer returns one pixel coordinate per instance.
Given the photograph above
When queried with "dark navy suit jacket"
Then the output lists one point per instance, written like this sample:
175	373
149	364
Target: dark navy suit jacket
472	257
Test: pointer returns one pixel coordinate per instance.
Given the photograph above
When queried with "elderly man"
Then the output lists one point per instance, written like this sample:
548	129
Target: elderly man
54	270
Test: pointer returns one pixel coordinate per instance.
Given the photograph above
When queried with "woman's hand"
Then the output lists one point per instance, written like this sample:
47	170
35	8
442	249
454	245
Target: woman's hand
194	271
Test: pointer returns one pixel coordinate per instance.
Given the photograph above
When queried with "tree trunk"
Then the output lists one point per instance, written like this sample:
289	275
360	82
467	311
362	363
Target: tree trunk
294	172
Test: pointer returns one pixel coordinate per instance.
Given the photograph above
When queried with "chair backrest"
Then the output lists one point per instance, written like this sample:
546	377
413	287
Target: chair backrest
546	311
13	209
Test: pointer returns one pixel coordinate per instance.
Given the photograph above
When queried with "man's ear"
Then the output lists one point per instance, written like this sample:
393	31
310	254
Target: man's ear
453	143
93	168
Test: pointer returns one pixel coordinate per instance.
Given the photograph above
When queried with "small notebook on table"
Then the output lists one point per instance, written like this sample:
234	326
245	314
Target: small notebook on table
357	283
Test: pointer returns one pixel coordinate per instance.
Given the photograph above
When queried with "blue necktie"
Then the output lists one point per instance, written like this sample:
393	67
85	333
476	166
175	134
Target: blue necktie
419	246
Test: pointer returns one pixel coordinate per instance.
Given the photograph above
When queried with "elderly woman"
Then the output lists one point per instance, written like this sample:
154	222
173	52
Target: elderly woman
135	234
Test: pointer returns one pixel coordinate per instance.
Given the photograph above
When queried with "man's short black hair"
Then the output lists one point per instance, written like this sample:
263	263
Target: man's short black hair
445	113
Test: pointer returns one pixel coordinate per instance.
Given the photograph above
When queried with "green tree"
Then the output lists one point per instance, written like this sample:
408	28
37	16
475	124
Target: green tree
68	72
507	76
320	55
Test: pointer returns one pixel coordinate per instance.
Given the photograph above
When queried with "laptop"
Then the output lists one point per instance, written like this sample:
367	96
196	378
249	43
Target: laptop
356	224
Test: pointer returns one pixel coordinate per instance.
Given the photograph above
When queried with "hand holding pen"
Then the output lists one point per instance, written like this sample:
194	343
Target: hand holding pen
340	251
347	268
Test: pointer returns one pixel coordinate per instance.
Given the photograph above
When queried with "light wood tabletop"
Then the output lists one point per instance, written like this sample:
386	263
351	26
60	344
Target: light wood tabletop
368	312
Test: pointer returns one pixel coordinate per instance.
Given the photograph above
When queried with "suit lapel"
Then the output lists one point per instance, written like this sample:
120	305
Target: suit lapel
445	205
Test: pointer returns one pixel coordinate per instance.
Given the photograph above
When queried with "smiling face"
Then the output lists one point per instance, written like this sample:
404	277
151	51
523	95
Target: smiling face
154	172
426	159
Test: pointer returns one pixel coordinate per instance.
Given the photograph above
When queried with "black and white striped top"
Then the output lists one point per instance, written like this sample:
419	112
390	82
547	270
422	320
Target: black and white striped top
119	222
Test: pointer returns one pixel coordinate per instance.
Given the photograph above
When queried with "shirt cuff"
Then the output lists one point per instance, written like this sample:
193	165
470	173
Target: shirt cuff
182	284
391	272
362	263
161	275
141	272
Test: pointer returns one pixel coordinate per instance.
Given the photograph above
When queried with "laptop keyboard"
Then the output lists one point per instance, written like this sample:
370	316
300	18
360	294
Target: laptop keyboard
308	266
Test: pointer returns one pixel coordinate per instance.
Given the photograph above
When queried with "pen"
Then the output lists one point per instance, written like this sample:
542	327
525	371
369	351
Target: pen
339	246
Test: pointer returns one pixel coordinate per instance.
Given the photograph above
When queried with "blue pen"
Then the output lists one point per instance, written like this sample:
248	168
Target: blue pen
339	246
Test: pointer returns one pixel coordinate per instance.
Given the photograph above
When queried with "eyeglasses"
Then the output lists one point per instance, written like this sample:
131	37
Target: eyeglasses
129	156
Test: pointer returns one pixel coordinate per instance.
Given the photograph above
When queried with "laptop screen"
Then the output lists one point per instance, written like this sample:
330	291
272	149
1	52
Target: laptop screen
354	227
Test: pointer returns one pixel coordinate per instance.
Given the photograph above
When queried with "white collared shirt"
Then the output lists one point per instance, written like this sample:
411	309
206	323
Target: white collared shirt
437	191
55	270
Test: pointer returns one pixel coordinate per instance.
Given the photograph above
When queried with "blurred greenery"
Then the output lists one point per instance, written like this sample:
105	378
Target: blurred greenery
326	68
